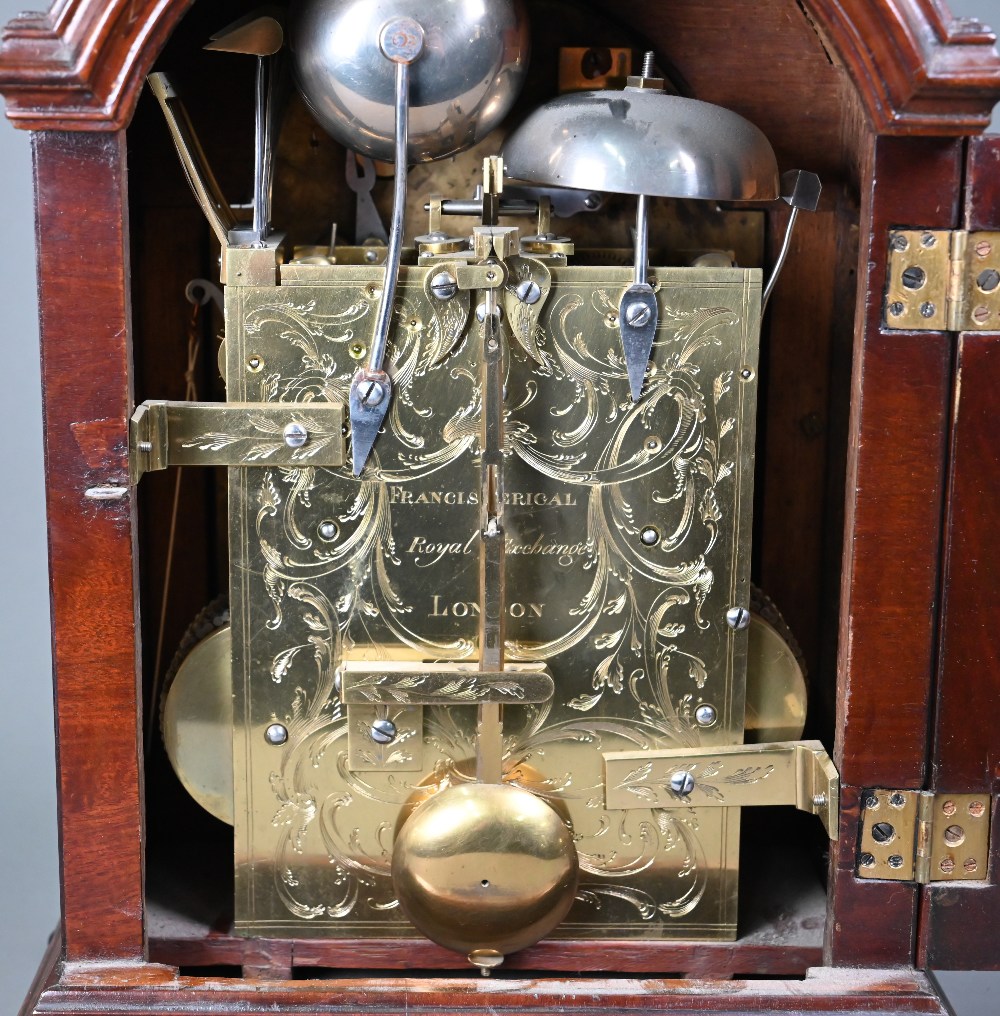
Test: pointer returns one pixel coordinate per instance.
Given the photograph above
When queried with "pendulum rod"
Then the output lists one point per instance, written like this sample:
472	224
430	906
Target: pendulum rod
489	741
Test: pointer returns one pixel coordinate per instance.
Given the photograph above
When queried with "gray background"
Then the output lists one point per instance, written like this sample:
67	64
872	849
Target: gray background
29	895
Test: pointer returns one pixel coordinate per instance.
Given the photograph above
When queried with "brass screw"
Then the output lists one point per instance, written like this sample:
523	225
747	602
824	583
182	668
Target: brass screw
980	314
949	807
971	865
977	809
947	865
984	248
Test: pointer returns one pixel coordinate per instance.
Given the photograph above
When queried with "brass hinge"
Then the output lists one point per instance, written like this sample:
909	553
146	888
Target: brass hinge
798	773
163	434
943	280
917	836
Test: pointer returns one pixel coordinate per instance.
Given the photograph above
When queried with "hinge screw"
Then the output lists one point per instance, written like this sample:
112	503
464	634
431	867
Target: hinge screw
927	309
899	242
977	809
984	248
971	865
928	240
947	865
949	808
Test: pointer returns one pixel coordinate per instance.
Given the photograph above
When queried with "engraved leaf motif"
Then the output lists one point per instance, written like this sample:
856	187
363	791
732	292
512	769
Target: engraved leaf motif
697	673
609	674
282	663
583	703
721	385
609	639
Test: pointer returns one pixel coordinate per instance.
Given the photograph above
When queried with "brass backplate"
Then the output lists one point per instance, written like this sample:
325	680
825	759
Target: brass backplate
628	539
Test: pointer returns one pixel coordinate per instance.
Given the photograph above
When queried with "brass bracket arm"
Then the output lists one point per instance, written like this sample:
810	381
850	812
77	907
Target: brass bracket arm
163	434
800	773
442	684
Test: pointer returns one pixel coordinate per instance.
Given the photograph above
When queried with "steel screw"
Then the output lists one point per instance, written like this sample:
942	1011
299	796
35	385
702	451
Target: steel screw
746	374
276	734
867	860
370	393
896	308
637	315
895	861
528	292
928	240
682	782
899	242
819	800
328	530
371	256
738	618
954	835
444	285
650	536
592	202
927	309
897	800
145	447
706	715
295	435
383	731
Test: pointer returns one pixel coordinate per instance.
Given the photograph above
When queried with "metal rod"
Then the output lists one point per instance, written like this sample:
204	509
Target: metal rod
398	212
260	224
492	593
474	207
782	256
641	239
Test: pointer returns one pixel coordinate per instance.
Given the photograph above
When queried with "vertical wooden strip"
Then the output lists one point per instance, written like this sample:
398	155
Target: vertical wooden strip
895	480
966	748
82	232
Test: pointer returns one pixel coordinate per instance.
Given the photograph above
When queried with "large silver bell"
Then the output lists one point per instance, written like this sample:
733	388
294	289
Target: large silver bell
467	77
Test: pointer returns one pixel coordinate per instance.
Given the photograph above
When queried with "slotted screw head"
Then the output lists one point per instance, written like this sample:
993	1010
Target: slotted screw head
738	618
444	285
682	782
637	314
295	435
383	731
528	292
370	393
